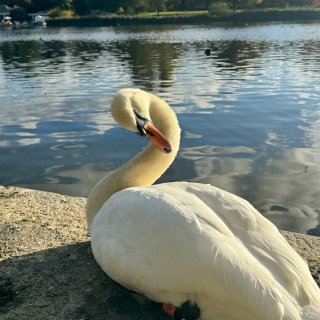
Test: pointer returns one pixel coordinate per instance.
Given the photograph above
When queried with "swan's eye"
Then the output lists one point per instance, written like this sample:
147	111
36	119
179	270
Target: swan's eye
138	116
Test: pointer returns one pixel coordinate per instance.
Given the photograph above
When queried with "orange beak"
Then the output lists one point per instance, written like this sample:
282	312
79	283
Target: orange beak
156	137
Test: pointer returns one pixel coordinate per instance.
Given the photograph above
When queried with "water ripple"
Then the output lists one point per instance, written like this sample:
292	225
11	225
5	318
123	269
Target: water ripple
249	112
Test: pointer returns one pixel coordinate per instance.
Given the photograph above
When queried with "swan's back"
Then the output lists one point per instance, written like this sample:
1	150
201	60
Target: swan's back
179	241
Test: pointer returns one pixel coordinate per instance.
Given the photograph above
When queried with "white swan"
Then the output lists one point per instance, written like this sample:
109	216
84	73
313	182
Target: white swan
182	241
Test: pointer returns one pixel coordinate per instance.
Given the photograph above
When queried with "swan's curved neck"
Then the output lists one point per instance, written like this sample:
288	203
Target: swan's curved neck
146	167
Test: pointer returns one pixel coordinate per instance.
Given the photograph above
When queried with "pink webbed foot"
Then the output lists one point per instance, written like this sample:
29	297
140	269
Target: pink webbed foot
187	311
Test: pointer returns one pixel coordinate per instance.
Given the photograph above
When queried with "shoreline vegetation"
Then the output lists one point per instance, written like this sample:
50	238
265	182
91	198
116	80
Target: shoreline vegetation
201	17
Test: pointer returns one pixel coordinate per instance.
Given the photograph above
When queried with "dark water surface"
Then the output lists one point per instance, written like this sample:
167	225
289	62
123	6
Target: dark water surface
249	112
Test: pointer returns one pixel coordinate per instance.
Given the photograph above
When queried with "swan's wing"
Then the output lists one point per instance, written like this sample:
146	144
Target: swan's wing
272	265
173	240
259	236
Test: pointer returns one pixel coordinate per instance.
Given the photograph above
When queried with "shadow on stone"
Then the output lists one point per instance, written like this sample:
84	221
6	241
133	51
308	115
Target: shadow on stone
66	283
7	291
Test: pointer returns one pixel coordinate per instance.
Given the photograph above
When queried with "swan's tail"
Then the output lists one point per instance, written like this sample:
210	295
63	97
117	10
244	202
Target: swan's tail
311	313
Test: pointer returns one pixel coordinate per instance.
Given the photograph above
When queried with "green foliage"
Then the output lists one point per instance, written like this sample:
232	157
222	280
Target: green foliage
59	13
81	7
275	3
85	7
41	5
219	9
242	4
67	5
18	14
158	5
130	11
55	12
25	4
141	5
120	11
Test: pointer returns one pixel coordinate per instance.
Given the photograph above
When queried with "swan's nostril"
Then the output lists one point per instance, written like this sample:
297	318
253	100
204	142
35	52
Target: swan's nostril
167	150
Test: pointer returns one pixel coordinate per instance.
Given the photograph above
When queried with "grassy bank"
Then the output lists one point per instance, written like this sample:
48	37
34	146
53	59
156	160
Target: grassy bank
189	18
274	15
172	13
97	21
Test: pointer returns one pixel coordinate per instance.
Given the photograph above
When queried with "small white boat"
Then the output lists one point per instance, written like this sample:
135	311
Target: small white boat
6	22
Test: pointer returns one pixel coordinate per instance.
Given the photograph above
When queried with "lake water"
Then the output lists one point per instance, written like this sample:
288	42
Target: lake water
249	112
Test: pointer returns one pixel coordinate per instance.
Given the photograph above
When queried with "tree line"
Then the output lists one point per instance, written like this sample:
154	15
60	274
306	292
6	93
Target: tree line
84	7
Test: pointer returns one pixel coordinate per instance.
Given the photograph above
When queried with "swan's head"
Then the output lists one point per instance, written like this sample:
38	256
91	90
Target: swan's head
130	108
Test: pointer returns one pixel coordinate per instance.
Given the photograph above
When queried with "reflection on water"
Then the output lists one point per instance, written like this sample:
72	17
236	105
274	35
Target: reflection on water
249	112
278	182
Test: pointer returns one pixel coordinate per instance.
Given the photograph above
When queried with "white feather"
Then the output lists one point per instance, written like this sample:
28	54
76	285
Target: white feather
183	241
179	240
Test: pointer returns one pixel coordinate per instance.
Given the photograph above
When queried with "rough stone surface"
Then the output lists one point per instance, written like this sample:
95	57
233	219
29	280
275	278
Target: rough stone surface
47	270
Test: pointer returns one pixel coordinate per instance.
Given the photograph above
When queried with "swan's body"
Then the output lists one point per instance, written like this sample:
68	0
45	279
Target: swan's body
183	241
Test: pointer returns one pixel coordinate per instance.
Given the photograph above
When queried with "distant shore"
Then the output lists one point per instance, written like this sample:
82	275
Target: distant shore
47	270
239	17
